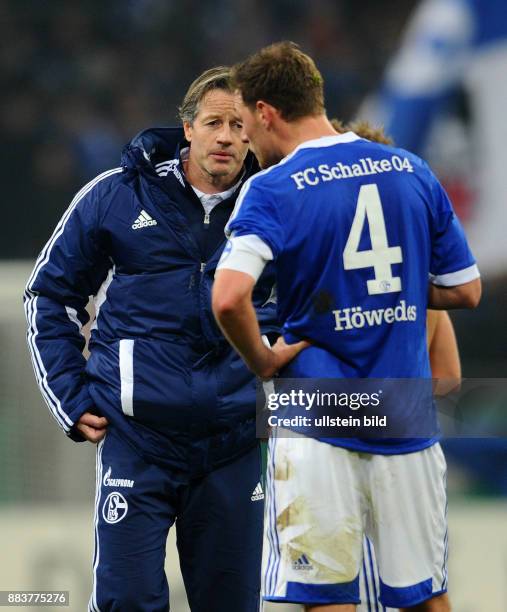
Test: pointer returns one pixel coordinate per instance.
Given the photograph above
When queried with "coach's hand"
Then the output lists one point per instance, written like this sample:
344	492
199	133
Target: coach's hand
283	353
92	427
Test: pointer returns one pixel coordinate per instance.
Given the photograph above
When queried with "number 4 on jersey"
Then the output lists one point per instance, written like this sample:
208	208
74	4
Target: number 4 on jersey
381	256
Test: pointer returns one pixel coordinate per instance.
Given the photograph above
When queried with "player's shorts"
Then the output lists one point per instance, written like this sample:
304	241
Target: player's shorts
369	582
323	499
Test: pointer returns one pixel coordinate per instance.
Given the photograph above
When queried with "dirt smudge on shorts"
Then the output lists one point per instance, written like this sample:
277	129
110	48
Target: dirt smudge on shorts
333	550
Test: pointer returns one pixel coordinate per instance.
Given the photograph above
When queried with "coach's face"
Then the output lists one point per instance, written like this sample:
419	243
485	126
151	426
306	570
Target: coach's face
216	146
256	129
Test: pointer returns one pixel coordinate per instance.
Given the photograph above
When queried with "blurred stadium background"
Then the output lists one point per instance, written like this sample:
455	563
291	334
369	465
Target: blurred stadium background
78	80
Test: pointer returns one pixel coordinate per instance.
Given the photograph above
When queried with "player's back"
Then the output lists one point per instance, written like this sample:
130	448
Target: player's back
354	227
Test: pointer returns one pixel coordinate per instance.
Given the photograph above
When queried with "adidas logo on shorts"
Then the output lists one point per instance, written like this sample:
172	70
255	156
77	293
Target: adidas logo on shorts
144	220
257	493
302	564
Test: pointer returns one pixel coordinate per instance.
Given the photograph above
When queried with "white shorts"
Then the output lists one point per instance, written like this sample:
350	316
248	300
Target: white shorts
321	500
369	582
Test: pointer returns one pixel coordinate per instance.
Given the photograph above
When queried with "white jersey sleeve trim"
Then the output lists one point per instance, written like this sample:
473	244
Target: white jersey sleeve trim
248	254
452	279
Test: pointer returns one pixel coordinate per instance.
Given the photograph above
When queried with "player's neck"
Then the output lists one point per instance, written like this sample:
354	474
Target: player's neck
308	128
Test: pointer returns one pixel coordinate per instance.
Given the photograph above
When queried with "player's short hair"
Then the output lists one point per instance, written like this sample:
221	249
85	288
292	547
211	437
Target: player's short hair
283	76
214	78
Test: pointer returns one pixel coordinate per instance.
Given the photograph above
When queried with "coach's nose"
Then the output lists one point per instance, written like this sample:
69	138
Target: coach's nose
224	136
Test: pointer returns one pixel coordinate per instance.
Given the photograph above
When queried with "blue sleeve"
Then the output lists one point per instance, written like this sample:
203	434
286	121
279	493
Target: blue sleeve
256	213
69	269
452	262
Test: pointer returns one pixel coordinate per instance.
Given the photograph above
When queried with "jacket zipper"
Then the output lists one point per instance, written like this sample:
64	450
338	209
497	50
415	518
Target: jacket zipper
202	266
206	218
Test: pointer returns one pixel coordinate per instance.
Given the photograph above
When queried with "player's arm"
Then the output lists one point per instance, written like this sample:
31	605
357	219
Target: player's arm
467	295
454	276
443	351
69	269
241	265
235	314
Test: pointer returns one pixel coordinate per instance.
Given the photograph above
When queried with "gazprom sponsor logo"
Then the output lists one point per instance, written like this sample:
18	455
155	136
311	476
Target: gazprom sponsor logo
116	482
357	318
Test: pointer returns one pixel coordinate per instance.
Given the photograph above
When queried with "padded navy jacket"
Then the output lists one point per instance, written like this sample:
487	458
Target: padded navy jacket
136	238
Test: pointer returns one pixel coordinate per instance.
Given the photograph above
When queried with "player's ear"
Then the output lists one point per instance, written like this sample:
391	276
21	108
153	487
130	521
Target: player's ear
265	112
187	128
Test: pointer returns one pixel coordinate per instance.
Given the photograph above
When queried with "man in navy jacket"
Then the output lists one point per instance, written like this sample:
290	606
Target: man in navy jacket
170	404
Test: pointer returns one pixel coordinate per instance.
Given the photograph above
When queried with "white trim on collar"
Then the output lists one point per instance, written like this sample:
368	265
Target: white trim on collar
327	141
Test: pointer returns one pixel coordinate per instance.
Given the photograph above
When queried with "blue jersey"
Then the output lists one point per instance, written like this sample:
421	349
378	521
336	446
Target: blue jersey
357	229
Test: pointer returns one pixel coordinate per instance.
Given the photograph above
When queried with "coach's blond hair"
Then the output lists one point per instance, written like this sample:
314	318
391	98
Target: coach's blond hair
214	78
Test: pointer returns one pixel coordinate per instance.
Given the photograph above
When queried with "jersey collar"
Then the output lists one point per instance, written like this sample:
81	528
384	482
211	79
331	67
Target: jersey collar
327	141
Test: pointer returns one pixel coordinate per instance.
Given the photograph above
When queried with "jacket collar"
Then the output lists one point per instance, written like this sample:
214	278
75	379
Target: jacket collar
162	145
